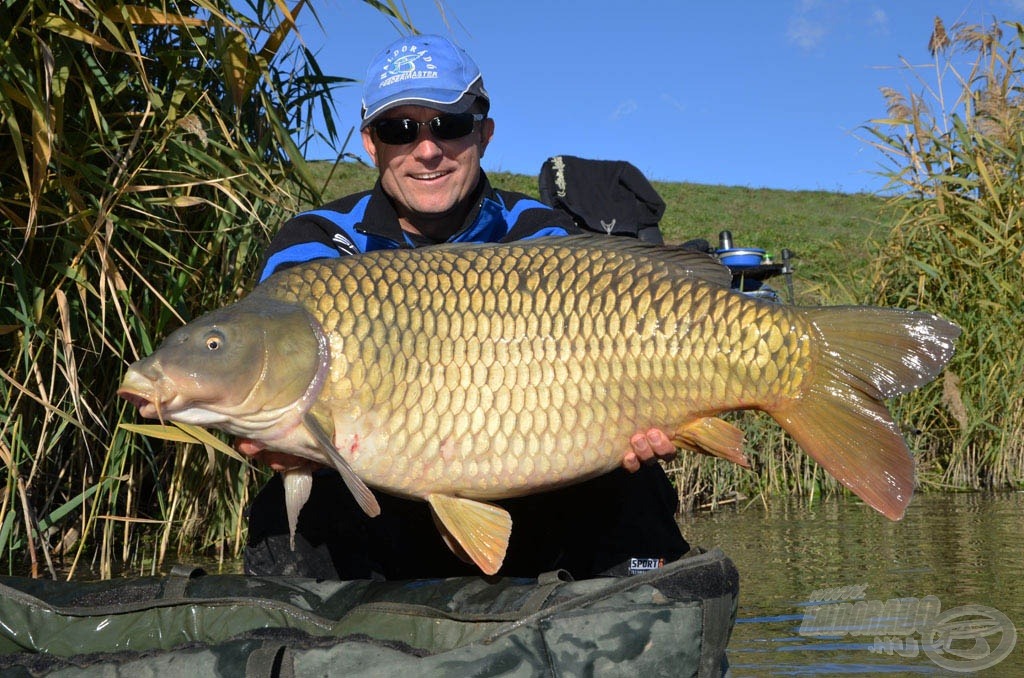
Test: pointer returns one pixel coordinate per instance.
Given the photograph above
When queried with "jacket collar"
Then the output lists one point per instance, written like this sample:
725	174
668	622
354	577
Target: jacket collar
381	218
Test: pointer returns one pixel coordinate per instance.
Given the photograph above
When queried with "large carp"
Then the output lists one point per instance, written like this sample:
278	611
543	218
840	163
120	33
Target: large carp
459	374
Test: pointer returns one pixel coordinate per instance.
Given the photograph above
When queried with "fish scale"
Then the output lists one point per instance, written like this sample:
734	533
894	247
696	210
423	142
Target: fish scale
461	374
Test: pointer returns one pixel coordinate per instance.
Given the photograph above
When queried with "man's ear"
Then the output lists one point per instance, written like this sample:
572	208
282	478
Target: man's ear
486	132
369	145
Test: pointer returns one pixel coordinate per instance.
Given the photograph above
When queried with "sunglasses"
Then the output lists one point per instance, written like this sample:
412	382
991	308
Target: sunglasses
448	127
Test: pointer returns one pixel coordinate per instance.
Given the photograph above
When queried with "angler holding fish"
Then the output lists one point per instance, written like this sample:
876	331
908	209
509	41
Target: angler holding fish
463	379
425	125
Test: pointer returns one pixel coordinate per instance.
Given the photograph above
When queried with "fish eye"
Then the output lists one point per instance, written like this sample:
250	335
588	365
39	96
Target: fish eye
214	340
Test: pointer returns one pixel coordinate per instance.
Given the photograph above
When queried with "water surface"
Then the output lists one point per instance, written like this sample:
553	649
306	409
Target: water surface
961	549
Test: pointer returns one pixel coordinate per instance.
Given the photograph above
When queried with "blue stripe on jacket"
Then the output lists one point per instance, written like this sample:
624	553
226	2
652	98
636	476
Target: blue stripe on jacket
491	225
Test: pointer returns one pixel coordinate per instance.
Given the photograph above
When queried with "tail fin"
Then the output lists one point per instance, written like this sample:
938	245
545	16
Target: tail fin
865	356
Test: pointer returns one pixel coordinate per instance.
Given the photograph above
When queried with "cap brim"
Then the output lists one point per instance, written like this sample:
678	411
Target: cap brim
425	98
443	100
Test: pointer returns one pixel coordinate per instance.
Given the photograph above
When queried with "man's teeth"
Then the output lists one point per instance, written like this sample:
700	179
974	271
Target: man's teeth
431	175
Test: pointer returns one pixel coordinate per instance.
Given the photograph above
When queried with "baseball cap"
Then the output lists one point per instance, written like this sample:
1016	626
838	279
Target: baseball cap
422	70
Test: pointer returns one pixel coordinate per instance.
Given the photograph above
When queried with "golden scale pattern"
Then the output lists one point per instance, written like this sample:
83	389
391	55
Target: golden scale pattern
494	374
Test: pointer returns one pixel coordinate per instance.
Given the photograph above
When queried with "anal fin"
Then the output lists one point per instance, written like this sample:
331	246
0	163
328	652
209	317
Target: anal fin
482	530
713	436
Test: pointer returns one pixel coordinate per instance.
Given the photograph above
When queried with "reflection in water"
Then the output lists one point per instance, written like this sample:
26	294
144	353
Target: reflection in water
963	549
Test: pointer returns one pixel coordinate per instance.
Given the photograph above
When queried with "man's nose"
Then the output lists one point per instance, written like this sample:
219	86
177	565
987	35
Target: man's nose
425	145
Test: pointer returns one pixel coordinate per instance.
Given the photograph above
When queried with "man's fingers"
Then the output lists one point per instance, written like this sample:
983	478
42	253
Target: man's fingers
660	444
630	462
647	447
249	448
639	453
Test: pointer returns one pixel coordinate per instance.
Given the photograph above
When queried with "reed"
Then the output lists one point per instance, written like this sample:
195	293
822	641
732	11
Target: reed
147	151
953	244
957	247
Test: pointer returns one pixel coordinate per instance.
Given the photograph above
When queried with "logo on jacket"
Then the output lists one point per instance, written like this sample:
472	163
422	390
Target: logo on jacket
407	63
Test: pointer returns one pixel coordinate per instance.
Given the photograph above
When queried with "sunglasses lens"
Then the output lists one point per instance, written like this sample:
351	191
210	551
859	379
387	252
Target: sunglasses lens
397	130
453	126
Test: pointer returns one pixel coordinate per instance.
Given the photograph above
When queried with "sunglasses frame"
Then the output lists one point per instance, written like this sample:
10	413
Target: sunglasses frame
413	127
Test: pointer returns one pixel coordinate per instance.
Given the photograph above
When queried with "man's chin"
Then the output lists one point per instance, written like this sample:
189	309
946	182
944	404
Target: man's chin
438	222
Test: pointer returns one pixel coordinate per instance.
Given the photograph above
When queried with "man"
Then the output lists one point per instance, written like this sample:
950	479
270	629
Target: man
425	125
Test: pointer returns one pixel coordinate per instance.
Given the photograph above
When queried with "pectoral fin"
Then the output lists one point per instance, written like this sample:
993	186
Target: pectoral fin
713	436
298	482
363	496
481	529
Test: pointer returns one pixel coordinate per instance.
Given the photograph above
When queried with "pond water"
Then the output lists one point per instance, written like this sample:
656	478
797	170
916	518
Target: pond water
956	560
954	567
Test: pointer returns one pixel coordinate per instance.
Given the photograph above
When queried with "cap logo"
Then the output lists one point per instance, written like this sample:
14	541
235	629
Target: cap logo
408	63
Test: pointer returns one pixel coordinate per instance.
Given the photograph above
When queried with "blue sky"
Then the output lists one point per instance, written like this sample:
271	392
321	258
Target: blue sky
757	93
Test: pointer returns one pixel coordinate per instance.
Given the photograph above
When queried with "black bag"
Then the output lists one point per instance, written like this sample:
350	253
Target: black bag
605	196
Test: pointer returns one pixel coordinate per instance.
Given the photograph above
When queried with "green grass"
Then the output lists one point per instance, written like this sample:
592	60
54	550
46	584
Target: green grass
826	231
830	234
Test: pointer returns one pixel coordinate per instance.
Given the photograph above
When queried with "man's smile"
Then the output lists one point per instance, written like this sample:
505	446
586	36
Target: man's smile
427	176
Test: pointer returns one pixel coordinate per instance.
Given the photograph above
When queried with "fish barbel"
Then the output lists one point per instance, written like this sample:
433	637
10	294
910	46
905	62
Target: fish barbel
460	374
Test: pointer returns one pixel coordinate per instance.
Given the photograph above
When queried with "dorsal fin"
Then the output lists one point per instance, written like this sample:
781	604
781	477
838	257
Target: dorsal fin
682	261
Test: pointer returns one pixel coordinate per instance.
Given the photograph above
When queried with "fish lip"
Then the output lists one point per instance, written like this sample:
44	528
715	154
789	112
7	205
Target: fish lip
136	399
146	405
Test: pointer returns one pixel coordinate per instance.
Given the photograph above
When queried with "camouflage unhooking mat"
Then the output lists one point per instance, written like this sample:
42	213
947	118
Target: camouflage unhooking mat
672	621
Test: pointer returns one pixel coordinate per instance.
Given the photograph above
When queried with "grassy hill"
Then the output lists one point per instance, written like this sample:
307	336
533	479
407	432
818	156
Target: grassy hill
832	235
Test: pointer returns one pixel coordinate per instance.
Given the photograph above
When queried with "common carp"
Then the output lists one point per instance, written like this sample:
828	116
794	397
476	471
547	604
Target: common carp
459	374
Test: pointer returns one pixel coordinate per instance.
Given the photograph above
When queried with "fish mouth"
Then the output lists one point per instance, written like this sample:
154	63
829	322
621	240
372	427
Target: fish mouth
146	394
148	406
136	399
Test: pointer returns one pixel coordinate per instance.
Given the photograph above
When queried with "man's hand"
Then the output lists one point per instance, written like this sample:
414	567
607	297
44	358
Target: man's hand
648	446
279	461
